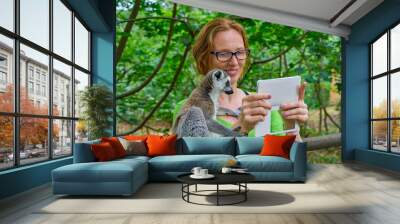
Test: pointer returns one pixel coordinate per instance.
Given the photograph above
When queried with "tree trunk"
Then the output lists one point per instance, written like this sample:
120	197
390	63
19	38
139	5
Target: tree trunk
280	66
285	64
331	119
127	29
320	121
322	142
325	120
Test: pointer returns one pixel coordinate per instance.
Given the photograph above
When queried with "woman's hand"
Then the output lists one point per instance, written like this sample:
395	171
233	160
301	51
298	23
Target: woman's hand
297	111
254	109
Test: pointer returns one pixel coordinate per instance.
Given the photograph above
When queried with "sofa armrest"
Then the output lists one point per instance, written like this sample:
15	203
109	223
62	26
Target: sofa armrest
298	155
83	152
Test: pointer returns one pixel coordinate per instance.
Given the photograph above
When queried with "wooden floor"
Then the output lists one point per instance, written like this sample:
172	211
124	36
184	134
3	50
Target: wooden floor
377	188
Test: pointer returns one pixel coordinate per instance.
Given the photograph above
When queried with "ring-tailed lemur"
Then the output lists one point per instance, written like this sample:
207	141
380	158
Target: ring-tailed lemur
197	116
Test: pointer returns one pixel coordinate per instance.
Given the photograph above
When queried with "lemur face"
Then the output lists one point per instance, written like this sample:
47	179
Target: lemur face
222	81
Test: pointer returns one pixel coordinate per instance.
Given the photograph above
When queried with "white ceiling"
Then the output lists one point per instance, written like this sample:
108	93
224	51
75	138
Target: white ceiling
316	15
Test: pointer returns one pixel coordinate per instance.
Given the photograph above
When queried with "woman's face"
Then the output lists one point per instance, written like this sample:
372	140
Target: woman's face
229	41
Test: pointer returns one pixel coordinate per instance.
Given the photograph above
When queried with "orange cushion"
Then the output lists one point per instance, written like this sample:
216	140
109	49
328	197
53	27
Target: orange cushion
135	137
161	145
116	145
103	151
277	145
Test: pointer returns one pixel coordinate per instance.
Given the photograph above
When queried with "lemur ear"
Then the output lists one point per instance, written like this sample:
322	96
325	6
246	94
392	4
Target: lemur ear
218	74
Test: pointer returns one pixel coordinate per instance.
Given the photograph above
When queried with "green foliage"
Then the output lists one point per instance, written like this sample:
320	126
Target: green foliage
331	155
96	103
316	58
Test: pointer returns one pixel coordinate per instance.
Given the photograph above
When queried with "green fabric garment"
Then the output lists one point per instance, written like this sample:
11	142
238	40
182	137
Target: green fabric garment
276	120
277	123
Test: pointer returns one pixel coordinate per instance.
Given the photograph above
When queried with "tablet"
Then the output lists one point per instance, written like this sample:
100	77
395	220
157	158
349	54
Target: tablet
282	90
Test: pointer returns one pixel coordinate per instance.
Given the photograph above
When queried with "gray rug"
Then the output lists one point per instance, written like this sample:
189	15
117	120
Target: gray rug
166	198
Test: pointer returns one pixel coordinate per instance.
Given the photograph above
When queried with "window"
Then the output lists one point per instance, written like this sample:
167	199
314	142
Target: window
37	74
62	30
7	14
3	71
34	26
385	94
38	89
81	45
3	61
3	78
7	85
30	72
30	87
43	77
44	91
62	77
55	126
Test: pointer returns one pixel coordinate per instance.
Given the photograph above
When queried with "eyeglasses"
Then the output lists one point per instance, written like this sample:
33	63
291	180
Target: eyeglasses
225	56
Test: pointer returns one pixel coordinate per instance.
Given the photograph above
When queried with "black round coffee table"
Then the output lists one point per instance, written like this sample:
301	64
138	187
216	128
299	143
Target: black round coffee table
238	179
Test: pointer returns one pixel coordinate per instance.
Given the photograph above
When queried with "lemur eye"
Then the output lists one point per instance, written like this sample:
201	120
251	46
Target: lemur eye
218	74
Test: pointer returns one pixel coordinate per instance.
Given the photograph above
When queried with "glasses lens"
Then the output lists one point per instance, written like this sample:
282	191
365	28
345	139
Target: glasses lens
242	54
224	56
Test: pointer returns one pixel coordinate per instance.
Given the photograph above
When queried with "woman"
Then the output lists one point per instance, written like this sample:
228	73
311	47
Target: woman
222	43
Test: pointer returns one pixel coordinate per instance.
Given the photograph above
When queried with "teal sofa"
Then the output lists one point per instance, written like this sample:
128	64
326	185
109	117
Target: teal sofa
125	176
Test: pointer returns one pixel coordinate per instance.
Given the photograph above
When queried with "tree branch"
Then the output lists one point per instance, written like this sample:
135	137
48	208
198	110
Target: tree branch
285	64
280	53
155	129
331	119
160	63
128	28
170	88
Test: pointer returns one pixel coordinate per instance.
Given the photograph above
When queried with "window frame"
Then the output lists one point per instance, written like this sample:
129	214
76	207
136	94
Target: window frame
388	74
16	115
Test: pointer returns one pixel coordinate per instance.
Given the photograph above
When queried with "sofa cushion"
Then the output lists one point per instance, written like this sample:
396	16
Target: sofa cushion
116	145
257	163
206	145
134	147
103	151
185	163
249	145
83	152
111	171
277	145
161	145
130	158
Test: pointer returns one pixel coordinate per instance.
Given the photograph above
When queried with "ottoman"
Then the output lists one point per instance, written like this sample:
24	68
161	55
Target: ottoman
119	177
